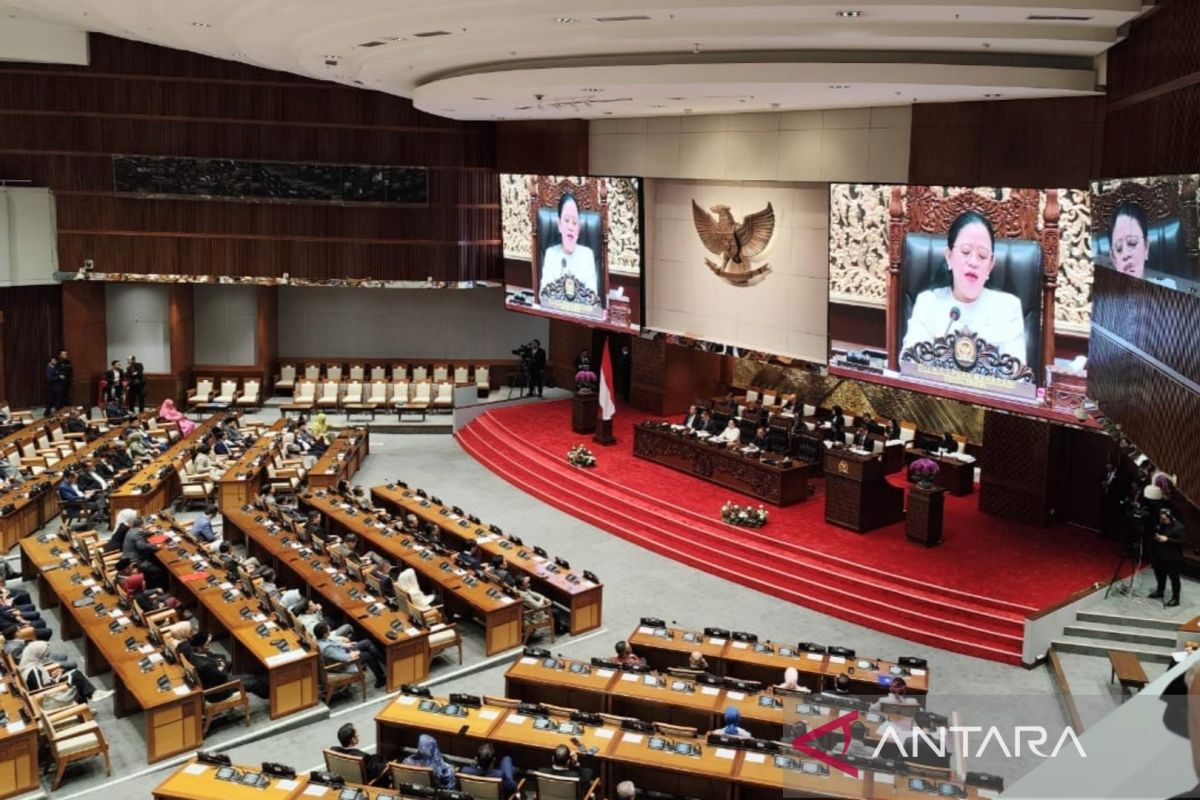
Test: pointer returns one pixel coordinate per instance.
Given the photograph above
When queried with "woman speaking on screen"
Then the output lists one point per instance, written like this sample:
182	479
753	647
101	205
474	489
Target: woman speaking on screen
992	315
569	268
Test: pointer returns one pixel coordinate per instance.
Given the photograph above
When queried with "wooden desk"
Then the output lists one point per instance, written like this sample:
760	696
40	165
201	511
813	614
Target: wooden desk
956	477
781	486
242	481
406	649
163	490
568	588
292	672
341	459
500	613
857	496
196	781
18	745
172	715
766	661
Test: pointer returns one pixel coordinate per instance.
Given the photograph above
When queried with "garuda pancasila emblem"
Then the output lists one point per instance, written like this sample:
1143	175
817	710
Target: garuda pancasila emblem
735	244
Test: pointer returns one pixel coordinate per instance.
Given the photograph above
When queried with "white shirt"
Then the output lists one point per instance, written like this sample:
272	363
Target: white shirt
731	435
994	317
581	264
98	478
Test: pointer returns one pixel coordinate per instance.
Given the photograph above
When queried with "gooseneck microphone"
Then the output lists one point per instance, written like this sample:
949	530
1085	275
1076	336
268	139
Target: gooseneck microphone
955	315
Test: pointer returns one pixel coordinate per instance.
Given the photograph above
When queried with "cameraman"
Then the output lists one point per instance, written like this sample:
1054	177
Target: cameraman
1168	554
537	367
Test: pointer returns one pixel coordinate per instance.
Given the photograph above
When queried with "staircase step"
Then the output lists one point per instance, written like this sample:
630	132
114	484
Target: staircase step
1119	633
1101	647
1131	622
775	577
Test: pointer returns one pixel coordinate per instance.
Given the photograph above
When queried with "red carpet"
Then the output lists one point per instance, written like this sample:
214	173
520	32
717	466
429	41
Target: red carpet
969	595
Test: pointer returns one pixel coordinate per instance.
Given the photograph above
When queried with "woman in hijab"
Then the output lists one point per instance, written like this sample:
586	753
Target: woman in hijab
168	413
116	542
428	755
791	678
319	426
732	728
39	671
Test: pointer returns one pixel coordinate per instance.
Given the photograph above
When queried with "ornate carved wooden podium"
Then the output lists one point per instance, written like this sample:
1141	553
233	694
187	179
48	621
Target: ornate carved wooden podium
857	496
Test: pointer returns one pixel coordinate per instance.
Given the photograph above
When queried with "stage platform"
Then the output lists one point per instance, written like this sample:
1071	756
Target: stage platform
969	595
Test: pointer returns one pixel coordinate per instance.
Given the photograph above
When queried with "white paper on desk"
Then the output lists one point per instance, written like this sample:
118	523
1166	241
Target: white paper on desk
154	658
837	659
516	719
709	690
528	661
756	758
182	690
405	700
740	645
633	738
315	790
488	713
602	733
259	618
538	558
227	586
331	570
15	727
630	676
412	632
366	598
814	656
987	794
736	695
286	785
123	621
89	582
822	710
717	642
283	658
195	769
885	777
146	648
505	600
645	630
487	537
722	752
604	673
917	673
116	612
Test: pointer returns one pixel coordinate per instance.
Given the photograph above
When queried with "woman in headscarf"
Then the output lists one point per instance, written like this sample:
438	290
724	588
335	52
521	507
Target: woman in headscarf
167	412
116	542
39	671
319	425
732	728
791	678
428	755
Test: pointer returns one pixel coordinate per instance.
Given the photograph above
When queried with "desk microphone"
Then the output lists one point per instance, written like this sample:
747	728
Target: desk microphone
955	314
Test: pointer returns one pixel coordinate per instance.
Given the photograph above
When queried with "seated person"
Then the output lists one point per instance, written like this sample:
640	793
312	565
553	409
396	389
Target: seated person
692	419
214	670
485	766
731	435
712	425
788	407
897	695
267	577
340	650
565	764
134	587
791	682
532	601
202	528
428	755
872	425
373	766
862	439
893	430
205	465
949	444
696	660
838	421
221	447
732	727
858	745
92	480
40	671
625	655
760	438
841	685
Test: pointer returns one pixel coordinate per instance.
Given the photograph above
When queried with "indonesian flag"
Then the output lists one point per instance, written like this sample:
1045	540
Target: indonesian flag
607	408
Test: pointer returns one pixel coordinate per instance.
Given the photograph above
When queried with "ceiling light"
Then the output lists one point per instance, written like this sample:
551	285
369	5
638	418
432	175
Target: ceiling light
481	98
993	95
657	105
849	13
623	18
427	34
565	20
838	86
201	24
376	43
591	91
1057	18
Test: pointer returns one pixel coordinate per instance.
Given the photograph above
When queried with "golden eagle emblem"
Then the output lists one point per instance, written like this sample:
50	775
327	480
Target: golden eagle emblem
735	243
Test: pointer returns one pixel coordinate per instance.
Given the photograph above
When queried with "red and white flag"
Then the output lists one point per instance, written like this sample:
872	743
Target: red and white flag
607	408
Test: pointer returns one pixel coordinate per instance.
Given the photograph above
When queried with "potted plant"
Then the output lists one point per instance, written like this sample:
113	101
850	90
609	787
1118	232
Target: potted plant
922	471
585	381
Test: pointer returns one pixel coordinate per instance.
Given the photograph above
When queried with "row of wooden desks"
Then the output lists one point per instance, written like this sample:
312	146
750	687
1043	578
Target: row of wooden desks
569	588
406	647
665	647
224	610
18	742
199	781
171	709
244	478
485	600
155	486
341	459
651	761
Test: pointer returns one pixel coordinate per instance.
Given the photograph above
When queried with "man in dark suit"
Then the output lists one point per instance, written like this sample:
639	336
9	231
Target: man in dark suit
838	420
760	438
863	439
692	418
136	376
53	387
66	371
712	424
537	367
1168	554
214	671
347	745
565	764
74	500
114	391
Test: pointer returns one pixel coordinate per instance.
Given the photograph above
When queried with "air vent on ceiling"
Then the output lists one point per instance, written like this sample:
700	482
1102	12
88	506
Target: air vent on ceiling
623	18
373	44
1056	18
428	34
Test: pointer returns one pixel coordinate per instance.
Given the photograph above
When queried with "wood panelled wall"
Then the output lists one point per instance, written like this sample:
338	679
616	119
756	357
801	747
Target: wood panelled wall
32	333
60	126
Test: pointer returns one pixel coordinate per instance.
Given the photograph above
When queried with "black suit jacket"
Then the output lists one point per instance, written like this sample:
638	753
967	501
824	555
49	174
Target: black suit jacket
87	483
371	764
1171	551
538	362
114	377
714	427
211	674
136	374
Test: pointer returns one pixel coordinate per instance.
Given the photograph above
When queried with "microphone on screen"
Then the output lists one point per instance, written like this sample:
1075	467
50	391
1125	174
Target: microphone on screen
955	314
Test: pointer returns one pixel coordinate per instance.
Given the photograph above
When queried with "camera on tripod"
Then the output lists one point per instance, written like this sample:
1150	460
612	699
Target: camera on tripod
523	352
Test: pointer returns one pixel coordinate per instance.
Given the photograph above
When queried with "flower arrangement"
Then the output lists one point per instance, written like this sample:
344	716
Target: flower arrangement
922	471
580	456
744	516
585	381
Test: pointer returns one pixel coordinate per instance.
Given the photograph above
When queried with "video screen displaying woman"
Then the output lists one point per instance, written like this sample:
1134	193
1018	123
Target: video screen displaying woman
569	277
967	303
1146	228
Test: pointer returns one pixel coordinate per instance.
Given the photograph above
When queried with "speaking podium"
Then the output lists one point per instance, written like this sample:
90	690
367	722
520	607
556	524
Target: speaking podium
857	496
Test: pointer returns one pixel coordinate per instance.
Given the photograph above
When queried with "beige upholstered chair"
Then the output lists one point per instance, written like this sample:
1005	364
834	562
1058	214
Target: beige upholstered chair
333	372
403	773
462	375
354	391
305	394
444	399
401	392
769	398
440	373
420	373
907	435
421	398
286	380
71	734
752	395
229	392
238	701
482	379
357	373
557	787
377	394
810	411
330	396
407	583
251	396
378	373
399	373
201	393
312	372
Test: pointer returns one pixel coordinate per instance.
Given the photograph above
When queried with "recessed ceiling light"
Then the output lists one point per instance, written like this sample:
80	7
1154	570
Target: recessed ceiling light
481	98
657	105
332	55
849	13
201	24
428	34
838	86
591	91
608	113
565	20
993	95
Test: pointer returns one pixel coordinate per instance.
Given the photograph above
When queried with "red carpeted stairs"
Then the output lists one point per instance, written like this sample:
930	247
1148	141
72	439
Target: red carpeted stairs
797	557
